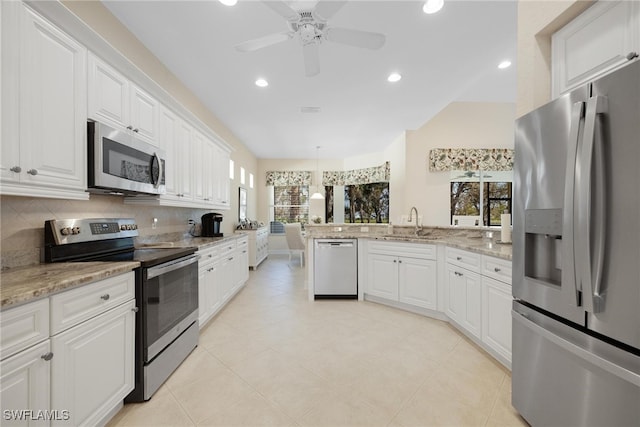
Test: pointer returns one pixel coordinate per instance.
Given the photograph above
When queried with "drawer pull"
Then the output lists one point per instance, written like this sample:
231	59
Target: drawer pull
47	356
459	258
33	172
105	297
135	309
497	270
16	169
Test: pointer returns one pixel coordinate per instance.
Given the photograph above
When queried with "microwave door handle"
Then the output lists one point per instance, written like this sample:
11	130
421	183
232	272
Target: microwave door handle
160	171
156	180
569	218
592	196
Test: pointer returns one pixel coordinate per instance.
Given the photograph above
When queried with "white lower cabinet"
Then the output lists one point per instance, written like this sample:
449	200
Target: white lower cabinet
496	325
409	277
222	271
383	276
25	385
209	296
463	296
69	359
92	368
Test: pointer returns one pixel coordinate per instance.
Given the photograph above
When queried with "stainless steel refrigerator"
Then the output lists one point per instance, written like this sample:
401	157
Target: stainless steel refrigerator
576	257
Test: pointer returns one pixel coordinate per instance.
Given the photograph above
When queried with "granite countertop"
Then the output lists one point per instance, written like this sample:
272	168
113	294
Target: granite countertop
187	242
24	284
473	244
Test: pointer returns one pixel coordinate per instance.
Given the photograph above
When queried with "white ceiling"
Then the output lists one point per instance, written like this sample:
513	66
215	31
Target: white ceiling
445	57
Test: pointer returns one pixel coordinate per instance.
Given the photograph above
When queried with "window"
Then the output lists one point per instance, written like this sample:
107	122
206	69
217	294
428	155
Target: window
291	203
481	194
366	203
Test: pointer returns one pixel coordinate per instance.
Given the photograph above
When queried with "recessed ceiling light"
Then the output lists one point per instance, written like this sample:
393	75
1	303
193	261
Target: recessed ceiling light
504	64
262	83
432	6
394	77
228	2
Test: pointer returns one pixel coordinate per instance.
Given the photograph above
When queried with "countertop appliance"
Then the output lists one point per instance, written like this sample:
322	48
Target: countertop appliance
121	163
576	257
166	291
211	225
335	268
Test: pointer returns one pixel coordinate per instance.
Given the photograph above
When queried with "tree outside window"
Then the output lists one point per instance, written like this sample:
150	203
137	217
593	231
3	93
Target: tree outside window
484	194
291	204
366	203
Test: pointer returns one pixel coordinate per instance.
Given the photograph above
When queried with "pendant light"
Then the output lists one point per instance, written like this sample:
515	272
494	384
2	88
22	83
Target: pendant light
317	195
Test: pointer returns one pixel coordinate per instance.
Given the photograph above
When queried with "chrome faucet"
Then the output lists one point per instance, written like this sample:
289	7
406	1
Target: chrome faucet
418	227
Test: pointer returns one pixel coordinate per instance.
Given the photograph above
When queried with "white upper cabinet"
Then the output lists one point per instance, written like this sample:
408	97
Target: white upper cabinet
115	100
43	107
603	38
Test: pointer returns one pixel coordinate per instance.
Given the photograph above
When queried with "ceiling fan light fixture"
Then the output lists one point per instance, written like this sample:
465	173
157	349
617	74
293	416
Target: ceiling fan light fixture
394	77
432	6
504	64
262	83
228	2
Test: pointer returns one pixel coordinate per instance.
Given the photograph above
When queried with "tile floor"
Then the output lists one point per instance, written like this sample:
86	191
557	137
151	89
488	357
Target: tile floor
272	358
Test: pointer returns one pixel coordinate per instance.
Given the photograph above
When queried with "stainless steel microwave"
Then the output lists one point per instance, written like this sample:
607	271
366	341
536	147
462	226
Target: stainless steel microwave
122	163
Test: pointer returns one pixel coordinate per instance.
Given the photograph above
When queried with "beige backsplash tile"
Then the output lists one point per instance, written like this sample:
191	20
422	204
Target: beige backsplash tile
22	220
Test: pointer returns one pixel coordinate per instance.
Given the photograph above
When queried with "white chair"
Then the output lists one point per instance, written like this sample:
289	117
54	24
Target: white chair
295	242
466	220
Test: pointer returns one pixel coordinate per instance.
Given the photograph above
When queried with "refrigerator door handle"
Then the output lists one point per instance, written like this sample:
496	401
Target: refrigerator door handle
569	218
593	244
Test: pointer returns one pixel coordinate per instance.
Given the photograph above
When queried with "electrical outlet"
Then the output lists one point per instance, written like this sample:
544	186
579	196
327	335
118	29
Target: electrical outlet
364	229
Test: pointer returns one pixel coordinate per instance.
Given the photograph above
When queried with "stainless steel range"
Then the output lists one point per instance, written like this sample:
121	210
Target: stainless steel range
166	291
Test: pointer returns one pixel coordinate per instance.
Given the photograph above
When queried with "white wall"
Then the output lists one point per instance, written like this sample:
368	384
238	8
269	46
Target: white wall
459	125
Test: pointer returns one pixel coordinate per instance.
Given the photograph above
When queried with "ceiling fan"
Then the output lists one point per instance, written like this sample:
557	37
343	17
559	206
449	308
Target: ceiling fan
311	28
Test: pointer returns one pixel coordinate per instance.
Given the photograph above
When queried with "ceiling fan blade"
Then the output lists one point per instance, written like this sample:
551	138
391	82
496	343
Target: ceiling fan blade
311	59
355	37
283	9
251	45
326	9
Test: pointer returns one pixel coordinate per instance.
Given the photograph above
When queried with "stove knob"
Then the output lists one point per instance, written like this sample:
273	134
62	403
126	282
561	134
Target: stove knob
128	226
75	230
135	226
65	231
123	227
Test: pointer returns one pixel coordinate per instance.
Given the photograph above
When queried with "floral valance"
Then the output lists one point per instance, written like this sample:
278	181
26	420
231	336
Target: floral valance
282	178
358	176
468	159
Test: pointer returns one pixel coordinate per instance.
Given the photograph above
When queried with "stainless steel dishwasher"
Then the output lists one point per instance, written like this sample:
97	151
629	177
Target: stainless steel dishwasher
335	268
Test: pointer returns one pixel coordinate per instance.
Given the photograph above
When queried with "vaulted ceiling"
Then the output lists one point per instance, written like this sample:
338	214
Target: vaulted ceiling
444	57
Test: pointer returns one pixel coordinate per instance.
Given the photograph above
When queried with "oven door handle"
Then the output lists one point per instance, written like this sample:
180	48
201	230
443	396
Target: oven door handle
171	266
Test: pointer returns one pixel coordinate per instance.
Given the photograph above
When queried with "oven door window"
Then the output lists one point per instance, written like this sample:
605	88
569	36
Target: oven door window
168	299
131	164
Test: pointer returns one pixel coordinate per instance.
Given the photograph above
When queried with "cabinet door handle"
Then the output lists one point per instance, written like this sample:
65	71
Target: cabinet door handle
136	130
135	309
47	356
105	297
130	127
16	169
632	55
395	260
399	261
497	270
33	172
459	258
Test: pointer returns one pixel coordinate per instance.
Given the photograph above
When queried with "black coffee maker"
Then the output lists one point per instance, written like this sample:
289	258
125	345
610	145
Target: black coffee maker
211	225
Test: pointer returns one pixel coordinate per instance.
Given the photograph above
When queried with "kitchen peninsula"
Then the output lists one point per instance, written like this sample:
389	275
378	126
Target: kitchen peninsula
461	275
